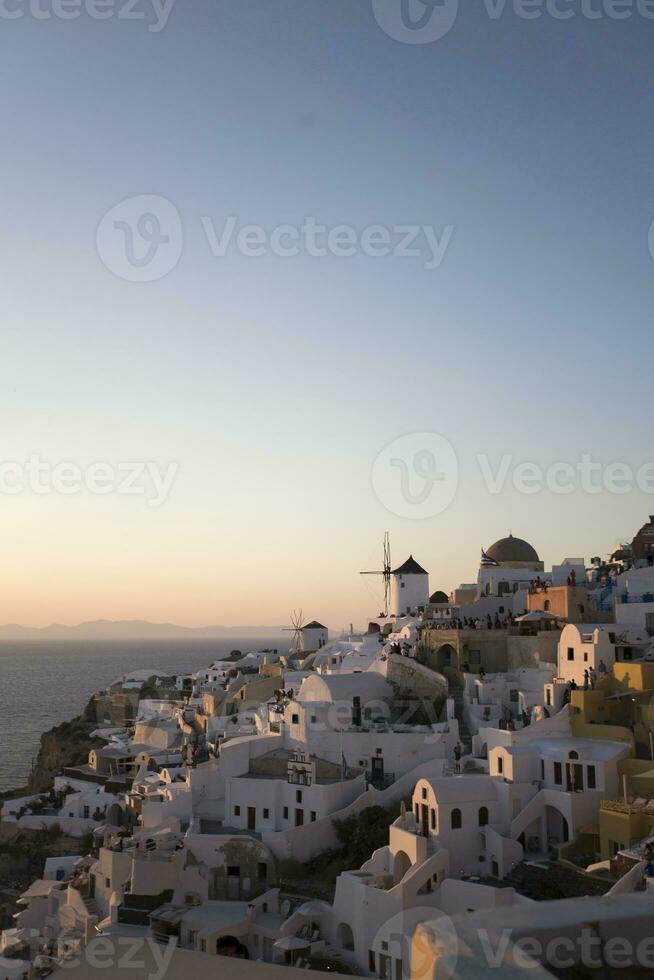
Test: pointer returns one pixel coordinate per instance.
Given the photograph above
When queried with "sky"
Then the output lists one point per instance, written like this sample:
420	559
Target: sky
222	433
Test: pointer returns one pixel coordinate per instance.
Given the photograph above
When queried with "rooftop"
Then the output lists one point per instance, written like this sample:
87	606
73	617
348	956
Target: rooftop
410	567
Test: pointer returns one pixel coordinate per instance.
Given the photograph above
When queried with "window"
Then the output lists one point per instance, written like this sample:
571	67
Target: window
295	719
585	658
313	816
285	812
424	792
542	768
203	945
546	605
233	871
433	819
191	937
237	811
266	813
558	773
298	795
313	719
87	811
573	755
416	810
371	961
483	816
262	871
571	653
590	777
500	764
455	819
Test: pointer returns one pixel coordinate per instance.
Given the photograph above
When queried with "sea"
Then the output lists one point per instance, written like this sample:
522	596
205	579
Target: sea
44	682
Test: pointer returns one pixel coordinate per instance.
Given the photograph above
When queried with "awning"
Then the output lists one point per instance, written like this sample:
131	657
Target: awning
313	909
291	943
590	828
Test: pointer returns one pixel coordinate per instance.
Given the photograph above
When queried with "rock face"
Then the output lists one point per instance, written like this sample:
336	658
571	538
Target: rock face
68	744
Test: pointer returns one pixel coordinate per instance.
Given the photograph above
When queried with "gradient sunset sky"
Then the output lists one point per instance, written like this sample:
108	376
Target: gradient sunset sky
274	382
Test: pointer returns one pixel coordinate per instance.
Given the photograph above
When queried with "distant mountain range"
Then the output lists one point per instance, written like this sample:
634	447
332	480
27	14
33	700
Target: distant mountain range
133	629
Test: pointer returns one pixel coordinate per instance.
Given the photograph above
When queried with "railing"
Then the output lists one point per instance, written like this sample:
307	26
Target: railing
631	807
627	599
380	780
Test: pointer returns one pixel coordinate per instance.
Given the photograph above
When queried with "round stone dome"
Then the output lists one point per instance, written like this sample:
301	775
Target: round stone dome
439	597
512	549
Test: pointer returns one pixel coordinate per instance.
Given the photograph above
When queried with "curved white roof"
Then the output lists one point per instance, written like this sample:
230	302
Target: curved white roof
368	685
461	789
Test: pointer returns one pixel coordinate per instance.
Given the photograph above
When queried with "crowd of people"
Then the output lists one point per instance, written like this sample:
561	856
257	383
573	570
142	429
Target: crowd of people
487	622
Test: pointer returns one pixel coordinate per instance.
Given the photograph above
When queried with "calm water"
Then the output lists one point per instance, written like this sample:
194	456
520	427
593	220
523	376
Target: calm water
43	683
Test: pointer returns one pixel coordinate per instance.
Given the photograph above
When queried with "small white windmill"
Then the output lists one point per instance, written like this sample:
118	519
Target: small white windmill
298	624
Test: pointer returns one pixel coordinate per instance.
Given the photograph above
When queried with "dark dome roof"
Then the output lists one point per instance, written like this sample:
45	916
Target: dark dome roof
512	549
439	597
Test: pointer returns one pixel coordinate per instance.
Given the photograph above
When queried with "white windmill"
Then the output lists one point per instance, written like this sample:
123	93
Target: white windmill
297	643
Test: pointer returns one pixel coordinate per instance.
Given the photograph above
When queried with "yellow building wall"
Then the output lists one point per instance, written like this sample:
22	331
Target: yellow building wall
634	676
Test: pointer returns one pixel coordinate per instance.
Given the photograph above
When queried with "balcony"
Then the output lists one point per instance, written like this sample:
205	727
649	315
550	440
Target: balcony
633	806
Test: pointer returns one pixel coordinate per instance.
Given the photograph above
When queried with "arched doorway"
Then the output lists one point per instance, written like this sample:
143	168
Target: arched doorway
115	815
401	865
345	936
557	826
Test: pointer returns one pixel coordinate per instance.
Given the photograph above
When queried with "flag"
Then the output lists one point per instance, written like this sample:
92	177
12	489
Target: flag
486	560
345	771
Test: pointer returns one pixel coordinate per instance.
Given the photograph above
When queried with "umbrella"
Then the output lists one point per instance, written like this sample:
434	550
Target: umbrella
536	616
313	909
290	943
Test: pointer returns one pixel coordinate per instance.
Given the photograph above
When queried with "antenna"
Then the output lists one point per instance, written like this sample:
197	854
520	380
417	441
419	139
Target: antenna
296	629
386	572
